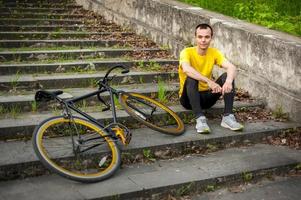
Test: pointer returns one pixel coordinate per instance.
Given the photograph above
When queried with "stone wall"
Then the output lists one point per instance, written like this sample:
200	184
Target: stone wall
269	62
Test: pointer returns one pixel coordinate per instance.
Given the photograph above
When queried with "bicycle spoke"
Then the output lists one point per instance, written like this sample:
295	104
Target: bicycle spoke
77	148
152	113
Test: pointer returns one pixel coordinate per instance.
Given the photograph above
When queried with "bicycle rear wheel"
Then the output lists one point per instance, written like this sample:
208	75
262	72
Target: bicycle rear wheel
76	149
152	113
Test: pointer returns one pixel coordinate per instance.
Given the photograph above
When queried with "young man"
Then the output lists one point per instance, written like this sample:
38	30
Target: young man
197	89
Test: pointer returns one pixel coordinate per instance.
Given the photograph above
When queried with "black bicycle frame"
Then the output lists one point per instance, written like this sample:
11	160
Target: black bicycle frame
69	104
112	92
104	87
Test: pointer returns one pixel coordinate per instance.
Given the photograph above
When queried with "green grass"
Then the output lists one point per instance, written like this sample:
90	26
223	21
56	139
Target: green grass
162	92
247	176
150	66
278	113
275	14
14	82
147	153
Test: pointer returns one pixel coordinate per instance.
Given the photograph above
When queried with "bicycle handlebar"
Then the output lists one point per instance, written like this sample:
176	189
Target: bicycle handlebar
124	71
104	81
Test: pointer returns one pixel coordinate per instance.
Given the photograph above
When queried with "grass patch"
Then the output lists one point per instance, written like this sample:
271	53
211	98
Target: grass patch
162	92
274	14
247	176
14	81
147	154
148	66
278	113
10	112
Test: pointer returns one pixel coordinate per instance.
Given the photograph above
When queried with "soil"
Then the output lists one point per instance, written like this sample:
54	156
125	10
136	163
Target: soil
290	138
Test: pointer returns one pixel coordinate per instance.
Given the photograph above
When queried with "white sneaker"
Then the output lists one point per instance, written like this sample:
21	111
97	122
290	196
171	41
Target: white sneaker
230	122
201	125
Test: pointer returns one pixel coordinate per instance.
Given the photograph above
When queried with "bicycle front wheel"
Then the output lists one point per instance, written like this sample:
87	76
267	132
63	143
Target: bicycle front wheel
76	149
151	113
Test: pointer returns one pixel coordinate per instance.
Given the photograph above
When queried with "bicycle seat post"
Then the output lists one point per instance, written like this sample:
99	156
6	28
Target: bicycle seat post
112	105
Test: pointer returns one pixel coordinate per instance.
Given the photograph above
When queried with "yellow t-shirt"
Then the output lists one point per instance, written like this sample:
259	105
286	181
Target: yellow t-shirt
203	64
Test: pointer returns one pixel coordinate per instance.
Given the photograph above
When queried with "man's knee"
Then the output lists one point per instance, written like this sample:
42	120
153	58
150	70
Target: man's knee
222	79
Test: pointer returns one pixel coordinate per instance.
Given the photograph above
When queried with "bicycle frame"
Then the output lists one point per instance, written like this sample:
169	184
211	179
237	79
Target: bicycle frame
70	136
70	104
113	132
104	88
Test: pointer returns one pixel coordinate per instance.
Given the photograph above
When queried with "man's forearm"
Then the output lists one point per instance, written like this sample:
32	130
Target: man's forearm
191	72
231	71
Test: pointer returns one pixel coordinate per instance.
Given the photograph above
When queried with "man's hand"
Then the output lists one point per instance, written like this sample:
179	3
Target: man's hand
227	87
216	88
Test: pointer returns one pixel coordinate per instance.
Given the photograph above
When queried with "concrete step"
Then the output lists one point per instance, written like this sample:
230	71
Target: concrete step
11	69
40	28
40	5
38	1
56	28
26	102
62	42
150	179
20	56
70	80
57	35
39	15
33	10
21	152
41	21
69	42
279	188
22	125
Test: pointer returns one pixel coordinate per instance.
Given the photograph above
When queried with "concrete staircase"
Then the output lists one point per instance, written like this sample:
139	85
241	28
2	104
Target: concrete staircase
58	45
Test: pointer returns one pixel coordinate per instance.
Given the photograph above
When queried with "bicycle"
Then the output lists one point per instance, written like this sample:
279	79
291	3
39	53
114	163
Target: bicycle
83	149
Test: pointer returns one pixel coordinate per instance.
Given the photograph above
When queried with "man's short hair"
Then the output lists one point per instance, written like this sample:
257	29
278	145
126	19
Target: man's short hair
203	26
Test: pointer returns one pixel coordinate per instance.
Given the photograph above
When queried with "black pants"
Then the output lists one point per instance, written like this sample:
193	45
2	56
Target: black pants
193	99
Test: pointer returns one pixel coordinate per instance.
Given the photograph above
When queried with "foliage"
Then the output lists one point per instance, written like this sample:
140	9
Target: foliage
247	176
275	14
162	92
210	188
34	106
14	82
278	113
185	189
148	155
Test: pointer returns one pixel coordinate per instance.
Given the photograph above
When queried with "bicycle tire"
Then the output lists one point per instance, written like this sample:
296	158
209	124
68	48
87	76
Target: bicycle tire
169	115
94	165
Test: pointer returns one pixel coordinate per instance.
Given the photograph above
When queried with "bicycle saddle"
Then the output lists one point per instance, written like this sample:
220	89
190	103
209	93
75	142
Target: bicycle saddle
43	95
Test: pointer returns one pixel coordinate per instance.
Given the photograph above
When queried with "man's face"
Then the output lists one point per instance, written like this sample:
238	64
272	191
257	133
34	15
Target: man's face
203	38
